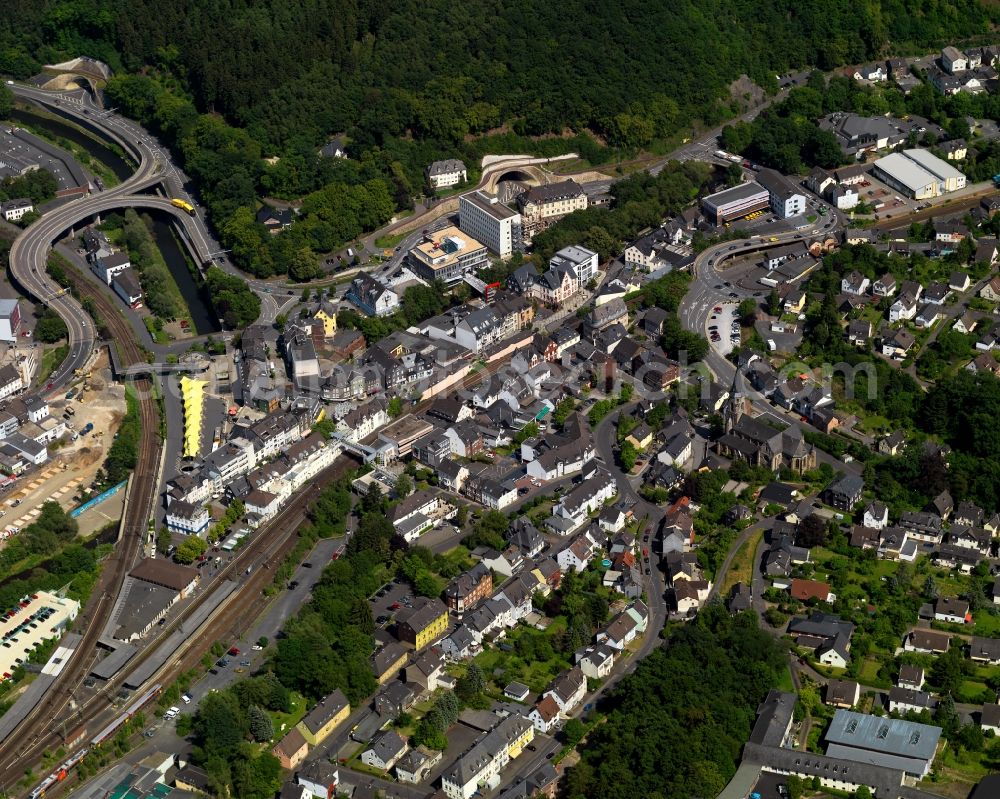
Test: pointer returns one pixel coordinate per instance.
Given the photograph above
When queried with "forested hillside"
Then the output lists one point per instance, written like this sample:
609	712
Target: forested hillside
445	69
409	81
677	725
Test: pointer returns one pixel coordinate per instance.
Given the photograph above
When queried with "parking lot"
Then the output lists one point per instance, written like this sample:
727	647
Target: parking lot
721	331
770	786
388	600
886	201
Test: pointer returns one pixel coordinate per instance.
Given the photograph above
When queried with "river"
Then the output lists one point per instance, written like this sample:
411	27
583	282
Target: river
55	128
195	294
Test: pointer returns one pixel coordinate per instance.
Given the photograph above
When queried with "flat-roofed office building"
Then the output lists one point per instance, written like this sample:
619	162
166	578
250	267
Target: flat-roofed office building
736	202
482	216
448	255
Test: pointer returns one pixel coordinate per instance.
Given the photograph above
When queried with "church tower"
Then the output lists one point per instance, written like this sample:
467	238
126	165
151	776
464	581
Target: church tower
736	404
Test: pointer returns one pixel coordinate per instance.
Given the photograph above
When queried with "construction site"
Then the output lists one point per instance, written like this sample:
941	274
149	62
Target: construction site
68	477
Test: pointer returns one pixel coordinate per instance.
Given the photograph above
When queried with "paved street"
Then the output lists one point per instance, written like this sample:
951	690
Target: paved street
604	440
708	289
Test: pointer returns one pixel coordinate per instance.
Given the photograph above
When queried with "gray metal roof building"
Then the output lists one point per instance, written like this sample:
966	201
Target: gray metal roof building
919	174
737	201
885	742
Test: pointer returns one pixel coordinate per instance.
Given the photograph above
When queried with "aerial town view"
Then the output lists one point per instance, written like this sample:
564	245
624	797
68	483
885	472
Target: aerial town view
435	400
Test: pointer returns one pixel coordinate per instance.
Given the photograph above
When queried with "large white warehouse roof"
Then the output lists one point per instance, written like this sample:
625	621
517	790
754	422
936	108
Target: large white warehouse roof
906	172
933	164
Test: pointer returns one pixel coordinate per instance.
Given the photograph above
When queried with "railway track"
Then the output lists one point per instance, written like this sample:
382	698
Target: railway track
266	554
33	736
45	728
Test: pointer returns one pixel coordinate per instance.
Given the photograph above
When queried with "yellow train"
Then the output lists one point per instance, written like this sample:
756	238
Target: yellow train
184	205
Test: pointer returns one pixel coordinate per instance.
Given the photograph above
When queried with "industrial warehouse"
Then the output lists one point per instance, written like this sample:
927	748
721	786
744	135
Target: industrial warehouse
737	202
918	174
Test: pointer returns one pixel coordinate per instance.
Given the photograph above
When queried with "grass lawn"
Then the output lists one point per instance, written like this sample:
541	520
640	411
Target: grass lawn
541	512
948	583
458	557
869	672
51	359
987	625
741	569
159	336
875	424
972	692
966	767
390	241
534	673
285	721
786	684
451	191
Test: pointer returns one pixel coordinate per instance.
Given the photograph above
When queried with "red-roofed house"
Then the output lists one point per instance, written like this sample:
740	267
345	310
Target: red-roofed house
545	715
804	590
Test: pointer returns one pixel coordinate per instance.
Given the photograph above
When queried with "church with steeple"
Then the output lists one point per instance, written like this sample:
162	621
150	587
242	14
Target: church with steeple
757	443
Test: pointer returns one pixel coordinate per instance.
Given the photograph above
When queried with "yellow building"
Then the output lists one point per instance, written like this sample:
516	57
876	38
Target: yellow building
388	661
422	624
328	316
192	399
795	302
516	746
324	718
641	436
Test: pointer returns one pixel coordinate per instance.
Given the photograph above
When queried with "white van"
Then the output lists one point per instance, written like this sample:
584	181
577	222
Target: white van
771	345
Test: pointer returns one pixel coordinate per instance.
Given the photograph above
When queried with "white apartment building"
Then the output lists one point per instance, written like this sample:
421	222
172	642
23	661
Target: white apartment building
482	764
444	174
13	210
578	260
229	461
187	518
489	221
107	267
10	381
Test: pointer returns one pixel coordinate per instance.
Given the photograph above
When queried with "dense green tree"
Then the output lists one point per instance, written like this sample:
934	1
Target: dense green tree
489	531
261	728
696	697
628	455
471	684
220	724
235	303
190	549
50	328
38	185
404	486
395	407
